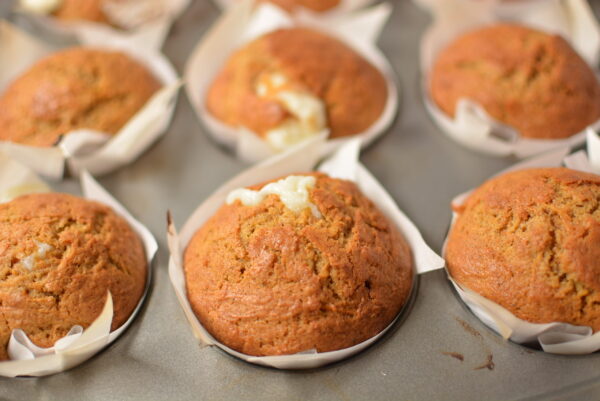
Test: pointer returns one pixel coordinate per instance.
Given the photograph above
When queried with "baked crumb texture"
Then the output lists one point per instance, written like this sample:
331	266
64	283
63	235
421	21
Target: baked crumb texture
265	280
530	80
530	241
354	91
73	89
59	256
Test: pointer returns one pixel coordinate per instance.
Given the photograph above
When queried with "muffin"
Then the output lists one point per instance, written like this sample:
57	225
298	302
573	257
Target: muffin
312	5
59	256
77	88
292	83
530	241
304	262
78	10
527	79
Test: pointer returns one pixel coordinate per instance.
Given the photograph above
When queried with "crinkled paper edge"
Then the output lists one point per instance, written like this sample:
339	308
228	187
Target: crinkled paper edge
343	164
239	24
145	127
472	126
151	34
51	364
555	337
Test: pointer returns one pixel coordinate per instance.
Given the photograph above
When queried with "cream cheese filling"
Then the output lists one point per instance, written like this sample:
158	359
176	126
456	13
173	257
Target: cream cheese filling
308	115
29	261
40	6
293	191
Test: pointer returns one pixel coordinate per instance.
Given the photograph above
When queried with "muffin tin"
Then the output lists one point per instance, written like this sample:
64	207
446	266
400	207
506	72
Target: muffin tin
439	351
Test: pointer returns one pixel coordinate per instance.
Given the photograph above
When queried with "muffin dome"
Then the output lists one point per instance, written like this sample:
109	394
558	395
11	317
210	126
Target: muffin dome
59	256
530	80
325	272
78	88
313	5
530	241
299	81
77	10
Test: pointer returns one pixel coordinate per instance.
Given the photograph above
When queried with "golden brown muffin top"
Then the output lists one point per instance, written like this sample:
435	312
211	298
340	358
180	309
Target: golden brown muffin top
74	89
354	91
313	5
77	10
528	79
265	280
530	241
59	256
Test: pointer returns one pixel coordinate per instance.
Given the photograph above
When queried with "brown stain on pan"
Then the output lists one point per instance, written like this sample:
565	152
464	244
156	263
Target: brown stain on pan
489	365
455	355
468	328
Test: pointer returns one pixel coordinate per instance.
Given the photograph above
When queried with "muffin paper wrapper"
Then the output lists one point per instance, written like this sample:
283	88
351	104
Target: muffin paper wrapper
305	157
94	151
556	337
145	33
471	125
345	6
78	345
242	23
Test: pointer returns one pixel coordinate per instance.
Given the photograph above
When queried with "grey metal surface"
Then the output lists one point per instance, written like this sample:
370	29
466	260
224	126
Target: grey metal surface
158	358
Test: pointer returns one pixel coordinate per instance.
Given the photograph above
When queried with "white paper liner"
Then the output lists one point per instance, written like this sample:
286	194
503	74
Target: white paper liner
586	161
343	164
471	125
345	6
78	345
144	32
97	152
555	337
240	24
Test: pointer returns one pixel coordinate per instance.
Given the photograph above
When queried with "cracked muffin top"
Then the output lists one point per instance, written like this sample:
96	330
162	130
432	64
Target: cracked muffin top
530	241
313	5
59	256
304	262
77	88
292	83
528	79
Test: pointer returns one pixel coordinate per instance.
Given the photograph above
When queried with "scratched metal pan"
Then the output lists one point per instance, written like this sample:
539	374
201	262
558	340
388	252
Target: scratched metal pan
439	352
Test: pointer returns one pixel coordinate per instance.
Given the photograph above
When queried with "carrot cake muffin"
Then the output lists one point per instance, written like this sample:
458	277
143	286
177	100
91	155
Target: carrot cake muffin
312	5
77	88
530	241
292	83
59	256
304	262
77	10
528	79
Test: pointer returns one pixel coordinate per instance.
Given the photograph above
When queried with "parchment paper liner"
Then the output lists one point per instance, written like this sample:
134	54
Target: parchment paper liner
240	24
345	6
342	164
97	152
472	126
556	337
150	34
78	345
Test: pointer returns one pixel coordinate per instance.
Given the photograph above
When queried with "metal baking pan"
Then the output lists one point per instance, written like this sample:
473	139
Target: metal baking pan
440	350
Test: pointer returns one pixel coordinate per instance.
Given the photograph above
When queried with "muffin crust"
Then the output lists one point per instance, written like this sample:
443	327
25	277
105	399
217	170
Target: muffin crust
265	280
528	79
59	256
313	5
530	241
77	10
73	89
353	91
